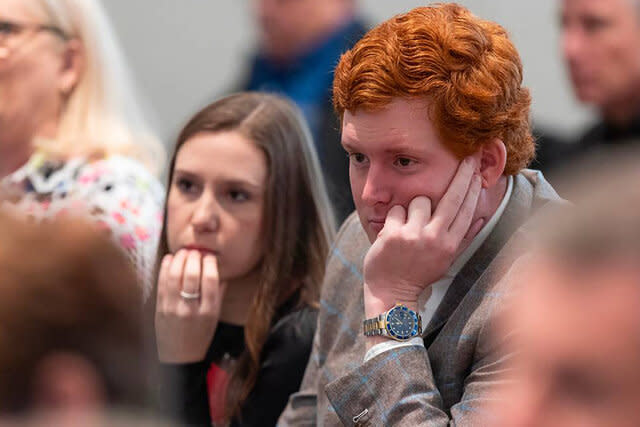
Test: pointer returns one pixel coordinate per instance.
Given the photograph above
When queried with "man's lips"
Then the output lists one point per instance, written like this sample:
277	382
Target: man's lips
376	224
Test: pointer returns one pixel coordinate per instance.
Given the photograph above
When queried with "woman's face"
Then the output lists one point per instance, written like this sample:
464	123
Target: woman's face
216	201
33	74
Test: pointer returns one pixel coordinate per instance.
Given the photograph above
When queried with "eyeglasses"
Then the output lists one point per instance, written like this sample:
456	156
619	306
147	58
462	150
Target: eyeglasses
10	30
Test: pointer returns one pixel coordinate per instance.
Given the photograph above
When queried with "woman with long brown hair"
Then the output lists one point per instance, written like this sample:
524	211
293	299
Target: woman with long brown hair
247	229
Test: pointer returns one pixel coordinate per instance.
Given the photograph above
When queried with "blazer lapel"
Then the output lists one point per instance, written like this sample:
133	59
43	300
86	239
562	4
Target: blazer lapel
516	212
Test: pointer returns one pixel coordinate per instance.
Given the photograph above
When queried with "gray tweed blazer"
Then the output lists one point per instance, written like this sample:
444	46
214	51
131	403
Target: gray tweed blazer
447	383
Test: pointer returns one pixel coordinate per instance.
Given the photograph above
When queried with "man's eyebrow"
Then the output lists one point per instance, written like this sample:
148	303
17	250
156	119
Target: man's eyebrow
403	147
347	145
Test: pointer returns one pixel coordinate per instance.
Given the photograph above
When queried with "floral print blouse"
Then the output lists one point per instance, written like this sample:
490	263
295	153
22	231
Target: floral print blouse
116	192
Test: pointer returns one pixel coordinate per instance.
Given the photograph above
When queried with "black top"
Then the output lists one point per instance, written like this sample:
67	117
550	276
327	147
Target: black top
284	359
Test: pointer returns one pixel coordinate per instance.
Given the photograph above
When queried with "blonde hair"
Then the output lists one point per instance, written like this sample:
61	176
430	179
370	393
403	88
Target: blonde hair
101	115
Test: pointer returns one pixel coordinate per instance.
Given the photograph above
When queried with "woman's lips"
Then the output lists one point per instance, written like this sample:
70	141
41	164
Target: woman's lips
203	250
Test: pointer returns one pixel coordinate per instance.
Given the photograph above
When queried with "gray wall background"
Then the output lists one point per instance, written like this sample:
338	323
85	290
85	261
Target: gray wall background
185	52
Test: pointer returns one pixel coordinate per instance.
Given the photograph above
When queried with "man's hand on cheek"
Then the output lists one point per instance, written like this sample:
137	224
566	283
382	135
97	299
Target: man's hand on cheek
415	248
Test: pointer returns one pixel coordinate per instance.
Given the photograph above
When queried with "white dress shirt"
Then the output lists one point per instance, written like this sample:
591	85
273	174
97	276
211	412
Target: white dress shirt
429	302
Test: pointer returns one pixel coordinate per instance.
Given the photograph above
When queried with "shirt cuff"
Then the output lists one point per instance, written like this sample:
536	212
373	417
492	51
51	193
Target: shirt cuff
391	345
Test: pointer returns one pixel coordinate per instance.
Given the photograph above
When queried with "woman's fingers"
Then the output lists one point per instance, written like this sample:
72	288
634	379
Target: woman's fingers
212	290
173	279
163	276
191	277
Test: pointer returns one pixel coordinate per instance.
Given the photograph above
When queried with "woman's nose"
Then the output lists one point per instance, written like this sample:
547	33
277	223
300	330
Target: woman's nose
206	217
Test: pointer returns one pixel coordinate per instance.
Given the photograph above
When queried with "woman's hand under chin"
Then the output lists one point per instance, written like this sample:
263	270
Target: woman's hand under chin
185	324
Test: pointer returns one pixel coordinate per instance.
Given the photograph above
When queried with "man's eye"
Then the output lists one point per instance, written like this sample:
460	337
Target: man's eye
357	157
591	25
7	28
404	161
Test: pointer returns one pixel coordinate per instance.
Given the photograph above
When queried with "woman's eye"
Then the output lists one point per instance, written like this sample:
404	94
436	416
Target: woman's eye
238	195
185	185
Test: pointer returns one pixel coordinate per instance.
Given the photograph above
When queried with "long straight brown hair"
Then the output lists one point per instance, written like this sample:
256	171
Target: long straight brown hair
298	220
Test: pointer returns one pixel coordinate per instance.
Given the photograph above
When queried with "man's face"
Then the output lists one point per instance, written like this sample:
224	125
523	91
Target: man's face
577	346
286	24
395	155
601	46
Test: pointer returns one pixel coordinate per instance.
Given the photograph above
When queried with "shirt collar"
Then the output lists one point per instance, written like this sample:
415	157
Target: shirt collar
483	234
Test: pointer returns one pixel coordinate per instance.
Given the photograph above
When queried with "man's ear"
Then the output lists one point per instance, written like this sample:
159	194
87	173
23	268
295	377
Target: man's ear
492	161
72	66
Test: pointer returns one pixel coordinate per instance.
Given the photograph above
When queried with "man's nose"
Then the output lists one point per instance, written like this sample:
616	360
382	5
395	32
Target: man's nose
376	187
572	43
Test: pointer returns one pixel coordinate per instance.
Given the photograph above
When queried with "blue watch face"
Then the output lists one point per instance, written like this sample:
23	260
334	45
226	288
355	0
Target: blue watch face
402	323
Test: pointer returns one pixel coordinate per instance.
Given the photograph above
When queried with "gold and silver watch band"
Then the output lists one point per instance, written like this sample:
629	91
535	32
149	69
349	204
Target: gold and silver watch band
376	325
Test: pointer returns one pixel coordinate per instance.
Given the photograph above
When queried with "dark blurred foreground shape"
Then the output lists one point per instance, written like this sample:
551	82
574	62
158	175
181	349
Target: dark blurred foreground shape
72	345
300	43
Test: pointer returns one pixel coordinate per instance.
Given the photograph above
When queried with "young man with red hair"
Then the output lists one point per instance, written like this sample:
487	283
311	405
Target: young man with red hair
435	123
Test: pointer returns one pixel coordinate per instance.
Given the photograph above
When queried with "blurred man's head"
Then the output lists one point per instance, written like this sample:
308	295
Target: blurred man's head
419	93
71	333
577	317
287	27
601	46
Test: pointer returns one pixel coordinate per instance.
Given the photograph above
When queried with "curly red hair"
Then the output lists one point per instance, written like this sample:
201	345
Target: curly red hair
466	67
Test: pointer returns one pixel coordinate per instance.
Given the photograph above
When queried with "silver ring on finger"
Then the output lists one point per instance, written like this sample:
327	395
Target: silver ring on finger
190	296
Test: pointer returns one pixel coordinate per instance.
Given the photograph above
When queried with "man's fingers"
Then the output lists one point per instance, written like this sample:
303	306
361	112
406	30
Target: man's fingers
460	226
475	228
191	276
419	213
395	218
211	290
471	233
453	199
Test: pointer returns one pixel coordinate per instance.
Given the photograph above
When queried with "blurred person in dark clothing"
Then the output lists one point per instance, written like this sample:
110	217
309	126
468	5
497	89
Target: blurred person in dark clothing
72	345
578	342
299	46
600	41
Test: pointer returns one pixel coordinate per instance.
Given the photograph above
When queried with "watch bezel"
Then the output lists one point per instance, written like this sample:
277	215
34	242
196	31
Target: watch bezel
391	333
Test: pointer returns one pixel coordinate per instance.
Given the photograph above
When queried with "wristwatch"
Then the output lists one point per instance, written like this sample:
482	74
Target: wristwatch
400	323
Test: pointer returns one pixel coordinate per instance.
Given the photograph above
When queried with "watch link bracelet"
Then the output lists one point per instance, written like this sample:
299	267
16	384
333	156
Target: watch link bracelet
399	323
